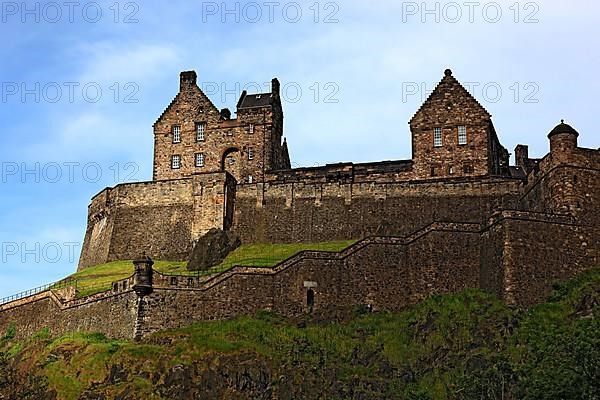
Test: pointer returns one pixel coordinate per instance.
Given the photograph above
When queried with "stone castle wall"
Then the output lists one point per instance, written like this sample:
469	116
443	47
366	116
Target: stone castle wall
335	202
113	314
164	218
565	183
161	218
354	276
352	209
514	255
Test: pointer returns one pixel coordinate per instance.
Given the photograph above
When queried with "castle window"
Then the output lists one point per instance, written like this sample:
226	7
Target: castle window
250	154
229	133
250	179
200	132
433	171
462	135
176	162
451	170
176	134
199	159
251	129
437	137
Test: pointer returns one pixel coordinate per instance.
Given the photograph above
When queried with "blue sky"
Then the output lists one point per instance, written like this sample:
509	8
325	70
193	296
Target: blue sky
81	86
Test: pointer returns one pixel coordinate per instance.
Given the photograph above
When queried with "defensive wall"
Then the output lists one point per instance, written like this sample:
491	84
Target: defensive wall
514	255
164	218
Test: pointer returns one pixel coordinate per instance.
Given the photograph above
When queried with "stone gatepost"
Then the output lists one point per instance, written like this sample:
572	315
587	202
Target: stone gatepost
142	278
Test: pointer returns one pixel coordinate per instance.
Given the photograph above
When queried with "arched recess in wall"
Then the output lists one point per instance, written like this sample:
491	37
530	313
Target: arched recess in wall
310	299
231	161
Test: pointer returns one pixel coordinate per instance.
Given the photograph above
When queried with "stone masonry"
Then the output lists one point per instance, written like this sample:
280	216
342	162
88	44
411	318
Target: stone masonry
456	216
459	172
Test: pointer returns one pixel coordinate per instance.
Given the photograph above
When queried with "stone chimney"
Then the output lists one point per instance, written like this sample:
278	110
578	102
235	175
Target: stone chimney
187	79
275	86
522	156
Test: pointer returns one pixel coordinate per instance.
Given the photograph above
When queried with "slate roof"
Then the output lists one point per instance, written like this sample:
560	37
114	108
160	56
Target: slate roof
563	128
255	100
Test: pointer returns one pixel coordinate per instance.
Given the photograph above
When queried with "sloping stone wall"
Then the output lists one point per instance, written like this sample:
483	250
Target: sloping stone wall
516	256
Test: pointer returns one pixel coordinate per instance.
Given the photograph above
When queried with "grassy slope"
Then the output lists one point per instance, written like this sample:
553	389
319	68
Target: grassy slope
99	278
463	346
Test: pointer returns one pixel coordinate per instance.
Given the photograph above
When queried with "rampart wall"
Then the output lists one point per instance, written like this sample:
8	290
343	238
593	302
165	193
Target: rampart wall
285	212
161	219
511	238
384	272
517	255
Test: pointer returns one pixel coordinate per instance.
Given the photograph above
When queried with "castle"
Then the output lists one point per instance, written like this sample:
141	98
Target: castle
215	171
455	216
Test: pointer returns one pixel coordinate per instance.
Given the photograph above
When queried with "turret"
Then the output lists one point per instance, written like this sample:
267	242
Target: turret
142	278
563	140
563	183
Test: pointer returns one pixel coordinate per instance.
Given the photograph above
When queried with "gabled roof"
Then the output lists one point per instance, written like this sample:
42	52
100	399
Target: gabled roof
449	85
197	91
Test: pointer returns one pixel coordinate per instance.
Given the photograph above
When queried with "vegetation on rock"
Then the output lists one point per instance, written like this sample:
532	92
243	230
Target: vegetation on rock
462	346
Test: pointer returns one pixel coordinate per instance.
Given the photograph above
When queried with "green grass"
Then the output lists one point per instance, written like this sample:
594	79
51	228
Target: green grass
99	278
266	255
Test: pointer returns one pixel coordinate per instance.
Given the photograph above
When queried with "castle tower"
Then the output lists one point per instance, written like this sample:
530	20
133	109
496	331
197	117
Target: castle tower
563	141
453	135
193	137
563	182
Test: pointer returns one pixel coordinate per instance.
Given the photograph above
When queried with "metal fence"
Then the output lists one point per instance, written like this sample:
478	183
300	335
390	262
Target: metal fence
64	283
100	286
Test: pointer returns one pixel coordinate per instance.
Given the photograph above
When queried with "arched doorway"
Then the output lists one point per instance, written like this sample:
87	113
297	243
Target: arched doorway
232	162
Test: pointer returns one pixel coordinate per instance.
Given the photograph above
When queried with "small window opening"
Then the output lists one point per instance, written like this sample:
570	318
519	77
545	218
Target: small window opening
310	298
